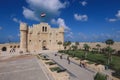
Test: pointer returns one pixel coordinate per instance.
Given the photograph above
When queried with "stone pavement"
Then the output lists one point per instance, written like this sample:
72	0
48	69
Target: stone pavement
76	72
21	69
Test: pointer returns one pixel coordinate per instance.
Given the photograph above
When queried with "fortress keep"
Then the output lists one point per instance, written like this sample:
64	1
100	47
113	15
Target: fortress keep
40	37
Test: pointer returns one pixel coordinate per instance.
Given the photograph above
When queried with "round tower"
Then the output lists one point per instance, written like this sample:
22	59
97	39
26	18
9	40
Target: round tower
23	37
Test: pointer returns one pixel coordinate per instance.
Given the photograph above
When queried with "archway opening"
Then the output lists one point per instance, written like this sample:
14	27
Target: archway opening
4	49
44	45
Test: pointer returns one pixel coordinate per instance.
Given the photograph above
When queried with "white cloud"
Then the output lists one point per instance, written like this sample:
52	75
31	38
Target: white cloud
104	36
112	20
94	36
82	35
0	28
81	17
117	17
29	14
50	5
83	3
70	35
118	14
36	7
53	21
60	22
16	20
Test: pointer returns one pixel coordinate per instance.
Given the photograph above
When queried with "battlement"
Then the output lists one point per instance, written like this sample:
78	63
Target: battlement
23	26
61	29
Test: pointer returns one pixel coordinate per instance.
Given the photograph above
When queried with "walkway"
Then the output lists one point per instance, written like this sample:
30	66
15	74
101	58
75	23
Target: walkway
22	68
76	72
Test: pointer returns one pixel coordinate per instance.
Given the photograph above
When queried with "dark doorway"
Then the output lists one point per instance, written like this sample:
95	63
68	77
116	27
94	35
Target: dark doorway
4	49
44	48
44	44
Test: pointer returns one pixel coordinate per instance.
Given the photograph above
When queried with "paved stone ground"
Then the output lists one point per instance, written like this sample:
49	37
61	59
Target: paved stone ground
30	69
76	72
24	68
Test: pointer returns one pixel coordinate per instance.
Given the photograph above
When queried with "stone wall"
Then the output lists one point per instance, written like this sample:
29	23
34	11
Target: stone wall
115	46
41	37
10	47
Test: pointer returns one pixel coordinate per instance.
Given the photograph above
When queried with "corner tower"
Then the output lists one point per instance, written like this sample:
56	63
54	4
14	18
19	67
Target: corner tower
23	37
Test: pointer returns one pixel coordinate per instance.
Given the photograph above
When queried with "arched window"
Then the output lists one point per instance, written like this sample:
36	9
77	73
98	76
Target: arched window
18	46
14	46
43	29
44	45
4	49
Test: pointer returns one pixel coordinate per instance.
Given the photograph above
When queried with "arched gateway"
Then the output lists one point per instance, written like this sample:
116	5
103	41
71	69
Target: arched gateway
4	49
44	45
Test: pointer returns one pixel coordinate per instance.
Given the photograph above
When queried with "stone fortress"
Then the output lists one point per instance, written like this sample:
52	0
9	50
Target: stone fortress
36	38
40	37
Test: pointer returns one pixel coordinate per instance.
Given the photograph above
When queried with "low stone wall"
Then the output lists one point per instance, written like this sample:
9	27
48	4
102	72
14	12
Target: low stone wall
98	68
93	67
57	76
112	78
8	47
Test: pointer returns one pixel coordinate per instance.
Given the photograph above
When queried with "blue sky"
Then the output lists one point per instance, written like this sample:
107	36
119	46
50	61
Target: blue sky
84	20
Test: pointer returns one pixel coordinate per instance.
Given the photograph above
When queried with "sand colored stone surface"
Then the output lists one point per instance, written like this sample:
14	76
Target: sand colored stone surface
56	76
10	46
21	68
97	68
40	36
61	76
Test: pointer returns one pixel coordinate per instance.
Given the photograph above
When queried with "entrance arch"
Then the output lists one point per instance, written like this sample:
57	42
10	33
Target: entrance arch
4	49
44	45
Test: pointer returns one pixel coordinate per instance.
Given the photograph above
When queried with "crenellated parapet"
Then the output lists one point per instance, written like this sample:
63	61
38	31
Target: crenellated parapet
61	29
23	27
